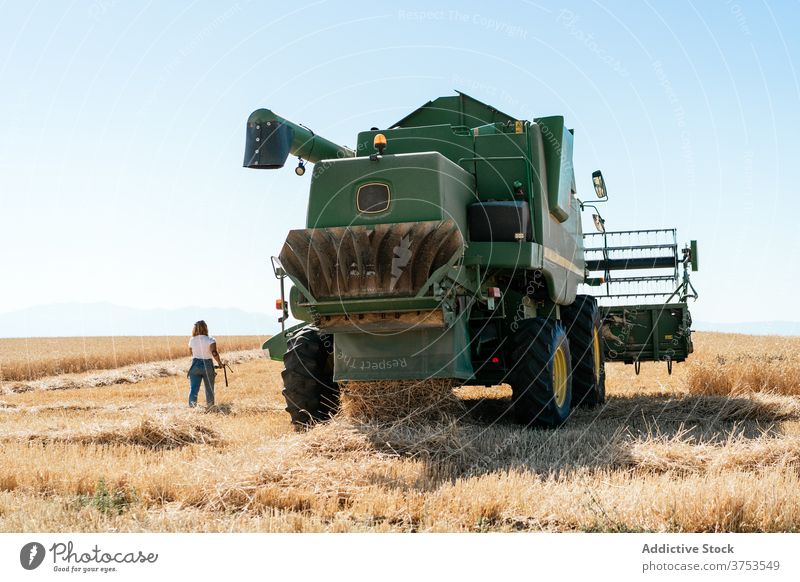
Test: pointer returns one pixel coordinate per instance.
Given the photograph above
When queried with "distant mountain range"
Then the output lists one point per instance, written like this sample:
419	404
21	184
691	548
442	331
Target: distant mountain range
101	319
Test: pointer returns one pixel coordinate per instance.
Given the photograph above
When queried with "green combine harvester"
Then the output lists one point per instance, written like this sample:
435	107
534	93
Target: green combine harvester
450	246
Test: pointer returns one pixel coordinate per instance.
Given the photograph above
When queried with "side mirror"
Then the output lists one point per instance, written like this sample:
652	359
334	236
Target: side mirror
599	184
599	223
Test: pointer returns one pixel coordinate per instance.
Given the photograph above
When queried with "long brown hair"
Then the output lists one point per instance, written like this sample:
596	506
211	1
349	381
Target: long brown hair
200	328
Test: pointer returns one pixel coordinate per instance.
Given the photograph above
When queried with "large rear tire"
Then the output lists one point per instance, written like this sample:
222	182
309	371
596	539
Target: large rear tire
308	387
541	377
583	324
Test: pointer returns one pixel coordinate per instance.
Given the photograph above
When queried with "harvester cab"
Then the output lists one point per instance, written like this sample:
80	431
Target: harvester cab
449	246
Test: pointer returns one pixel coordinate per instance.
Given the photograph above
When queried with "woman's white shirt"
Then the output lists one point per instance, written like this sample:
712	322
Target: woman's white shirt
201	346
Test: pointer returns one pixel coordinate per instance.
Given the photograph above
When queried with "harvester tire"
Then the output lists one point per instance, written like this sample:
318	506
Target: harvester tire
308	387
541	378
583	322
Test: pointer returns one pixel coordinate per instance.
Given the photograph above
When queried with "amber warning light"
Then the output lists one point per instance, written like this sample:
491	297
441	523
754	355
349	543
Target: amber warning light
379	143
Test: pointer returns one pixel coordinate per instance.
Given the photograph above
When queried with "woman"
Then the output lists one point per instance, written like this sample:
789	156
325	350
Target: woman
203	348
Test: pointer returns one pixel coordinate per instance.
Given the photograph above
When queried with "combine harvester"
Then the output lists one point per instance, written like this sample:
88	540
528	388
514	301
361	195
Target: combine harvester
449	246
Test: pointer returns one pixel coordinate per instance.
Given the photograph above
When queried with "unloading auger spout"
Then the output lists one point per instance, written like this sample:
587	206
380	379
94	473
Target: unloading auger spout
271	139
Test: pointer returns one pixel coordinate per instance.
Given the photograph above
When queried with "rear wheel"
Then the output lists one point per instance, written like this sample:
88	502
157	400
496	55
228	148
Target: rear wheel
583	323
308	387
541	378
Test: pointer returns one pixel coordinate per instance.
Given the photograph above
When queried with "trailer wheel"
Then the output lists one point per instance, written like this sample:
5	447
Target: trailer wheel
308	387
541	378
583	322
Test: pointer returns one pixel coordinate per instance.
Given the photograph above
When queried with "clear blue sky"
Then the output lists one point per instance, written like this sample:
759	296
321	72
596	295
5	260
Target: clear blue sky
122	130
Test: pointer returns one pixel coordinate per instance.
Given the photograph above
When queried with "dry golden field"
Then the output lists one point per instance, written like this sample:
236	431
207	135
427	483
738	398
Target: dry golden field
29	359
714	447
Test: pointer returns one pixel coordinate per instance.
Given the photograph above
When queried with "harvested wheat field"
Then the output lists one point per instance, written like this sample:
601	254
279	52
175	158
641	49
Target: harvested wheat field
714	447
29	359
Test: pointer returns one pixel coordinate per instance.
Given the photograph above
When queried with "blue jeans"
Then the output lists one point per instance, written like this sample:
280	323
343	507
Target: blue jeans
201	370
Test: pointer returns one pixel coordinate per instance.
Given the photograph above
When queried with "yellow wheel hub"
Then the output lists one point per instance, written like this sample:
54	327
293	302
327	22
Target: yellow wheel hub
560	375
596	350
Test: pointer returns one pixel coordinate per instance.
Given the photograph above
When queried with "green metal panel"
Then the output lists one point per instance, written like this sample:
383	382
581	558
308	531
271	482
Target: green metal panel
458	109
557	141
647	333
510	255
423	186
379	305
454	143
408	355
276	345
306	310
299	305
563	257
503	160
